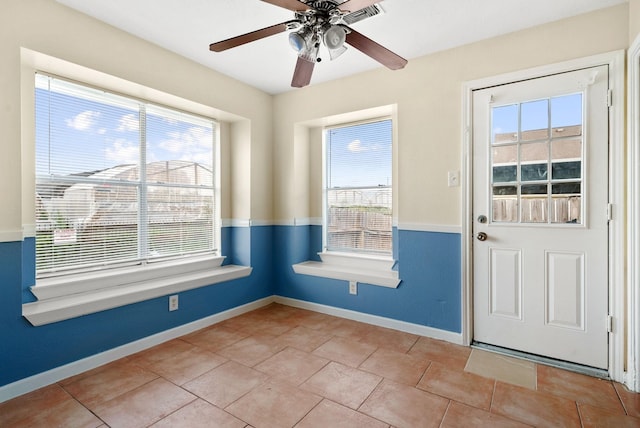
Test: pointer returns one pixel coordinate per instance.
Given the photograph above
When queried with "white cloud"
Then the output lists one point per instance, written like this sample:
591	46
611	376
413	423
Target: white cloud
202	136
191	145
203	158
123	152
83	121
356	146
129	122
173	144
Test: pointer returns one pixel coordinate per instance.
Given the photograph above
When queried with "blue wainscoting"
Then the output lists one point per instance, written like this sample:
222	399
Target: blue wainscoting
429	294
26	350
28	271
429	264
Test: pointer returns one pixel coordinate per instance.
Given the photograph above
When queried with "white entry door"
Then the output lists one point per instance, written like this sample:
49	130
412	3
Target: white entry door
540	216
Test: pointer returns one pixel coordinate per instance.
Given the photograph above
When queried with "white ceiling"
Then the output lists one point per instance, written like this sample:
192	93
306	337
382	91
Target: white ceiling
411	28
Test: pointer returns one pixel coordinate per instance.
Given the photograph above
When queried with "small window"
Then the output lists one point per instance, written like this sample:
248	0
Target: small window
358	190
537	161
119	181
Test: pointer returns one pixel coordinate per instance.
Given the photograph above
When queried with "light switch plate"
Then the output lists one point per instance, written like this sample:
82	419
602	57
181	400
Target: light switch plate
453	178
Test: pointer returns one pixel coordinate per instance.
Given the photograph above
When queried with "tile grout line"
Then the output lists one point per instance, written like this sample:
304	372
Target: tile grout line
310	410
423	374
364	414
100	403
412	345
579	415
444	416
624	407
179	408
83	405
369	395
365	400
493	396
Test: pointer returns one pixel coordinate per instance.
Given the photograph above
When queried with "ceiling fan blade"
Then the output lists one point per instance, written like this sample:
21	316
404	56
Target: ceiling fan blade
302	73
250	37
376	51
355	5
293	5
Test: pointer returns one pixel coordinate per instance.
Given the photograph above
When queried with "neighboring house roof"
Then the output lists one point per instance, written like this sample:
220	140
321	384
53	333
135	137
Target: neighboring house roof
101	202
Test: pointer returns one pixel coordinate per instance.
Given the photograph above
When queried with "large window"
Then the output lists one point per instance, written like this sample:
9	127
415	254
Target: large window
358	195
119	181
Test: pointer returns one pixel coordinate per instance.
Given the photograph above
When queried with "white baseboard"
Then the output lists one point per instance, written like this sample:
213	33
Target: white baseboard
407	327
57	374
40	380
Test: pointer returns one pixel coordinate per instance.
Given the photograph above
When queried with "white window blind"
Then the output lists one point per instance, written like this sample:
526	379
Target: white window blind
119	181
358	188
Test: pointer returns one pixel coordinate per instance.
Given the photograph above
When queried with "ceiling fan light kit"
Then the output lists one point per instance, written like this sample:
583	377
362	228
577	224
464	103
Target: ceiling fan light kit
319	22
300	40
334	38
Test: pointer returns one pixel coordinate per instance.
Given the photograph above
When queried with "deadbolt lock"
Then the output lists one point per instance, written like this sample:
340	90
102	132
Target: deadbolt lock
482	219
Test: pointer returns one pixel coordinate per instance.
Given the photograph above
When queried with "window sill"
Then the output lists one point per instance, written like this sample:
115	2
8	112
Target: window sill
365	269
158	283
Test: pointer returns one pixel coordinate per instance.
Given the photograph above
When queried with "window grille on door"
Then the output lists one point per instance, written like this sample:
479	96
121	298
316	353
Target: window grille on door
537	152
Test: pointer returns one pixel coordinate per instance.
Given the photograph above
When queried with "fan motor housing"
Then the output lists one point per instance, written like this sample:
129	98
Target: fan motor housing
323	5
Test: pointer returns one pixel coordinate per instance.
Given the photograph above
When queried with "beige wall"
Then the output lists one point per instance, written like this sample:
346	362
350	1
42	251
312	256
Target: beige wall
427	95
267	138
634	20
42	34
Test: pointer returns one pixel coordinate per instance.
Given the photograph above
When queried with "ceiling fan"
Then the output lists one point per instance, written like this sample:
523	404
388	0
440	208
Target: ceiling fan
316	22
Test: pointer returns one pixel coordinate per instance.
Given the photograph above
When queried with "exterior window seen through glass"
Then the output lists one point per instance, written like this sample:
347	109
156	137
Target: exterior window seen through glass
537	161
119	181
358	188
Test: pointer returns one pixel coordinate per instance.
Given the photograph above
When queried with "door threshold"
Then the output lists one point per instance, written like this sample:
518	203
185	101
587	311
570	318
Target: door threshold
560	364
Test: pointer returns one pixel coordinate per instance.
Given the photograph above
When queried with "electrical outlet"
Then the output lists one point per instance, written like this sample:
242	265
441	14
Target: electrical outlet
173	302
453	178
353	287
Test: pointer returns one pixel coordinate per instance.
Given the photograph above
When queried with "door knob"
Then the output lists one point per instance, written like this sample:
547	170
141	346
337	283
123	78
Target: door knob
482	236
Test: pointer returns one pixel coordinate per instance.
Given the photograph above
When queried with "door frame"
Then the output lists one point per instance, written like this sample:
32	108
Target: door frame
616	62
633	216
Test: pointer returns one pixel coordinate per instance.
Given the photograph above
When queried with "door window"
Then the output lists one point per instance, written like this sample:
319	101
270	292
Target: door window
537	161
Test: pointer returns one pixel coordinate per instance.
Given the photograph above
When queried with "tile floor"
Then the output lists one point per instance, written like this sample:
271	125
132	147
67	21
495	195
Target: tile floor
283	367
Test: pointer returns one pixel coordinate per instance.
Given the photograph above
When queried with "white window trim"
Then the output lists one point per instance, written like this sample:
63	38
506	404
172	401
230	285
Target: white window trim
69	284
72	296
367	269
124	289
142	106
363	267
325	188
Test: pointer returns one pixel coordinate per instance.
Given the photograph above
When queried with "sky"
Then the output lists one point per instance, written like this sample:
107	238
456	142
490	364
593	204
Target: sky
99	135
564	111
360	155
